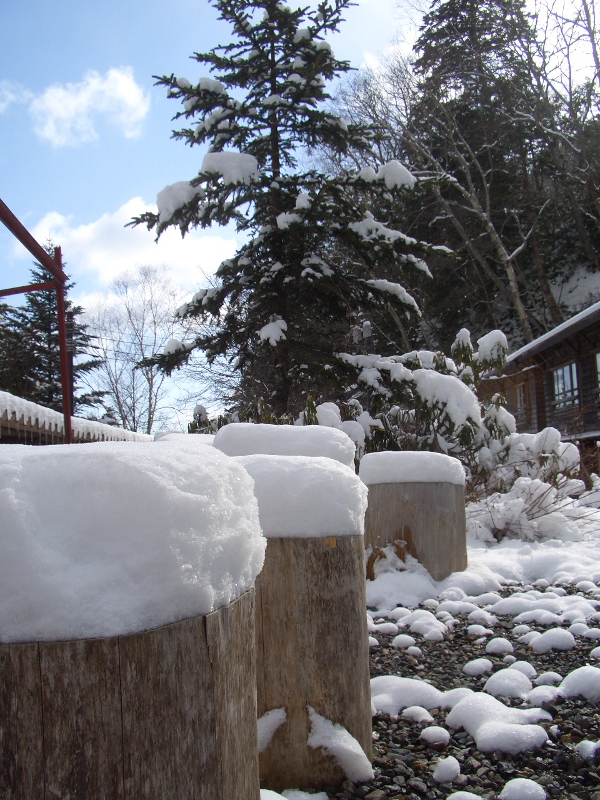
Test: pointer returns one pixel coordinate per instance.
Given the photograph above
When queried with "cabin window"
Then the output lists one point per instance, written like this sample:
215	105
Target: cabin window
565	386
521	403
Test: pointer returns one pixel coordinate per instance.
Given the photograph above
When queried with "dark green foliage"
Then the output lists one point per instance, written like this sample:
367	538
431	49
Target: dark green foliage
313	250
30	353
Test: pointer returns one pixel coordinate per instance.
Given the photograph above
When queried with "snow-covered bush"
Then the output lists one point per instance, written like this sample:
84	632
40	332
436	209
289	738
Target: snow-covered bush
518	484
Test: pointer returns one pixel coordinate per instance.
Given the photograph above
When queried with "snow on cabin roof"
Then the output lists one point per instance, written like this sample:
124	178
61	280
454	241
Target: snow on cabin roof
25	412
573	325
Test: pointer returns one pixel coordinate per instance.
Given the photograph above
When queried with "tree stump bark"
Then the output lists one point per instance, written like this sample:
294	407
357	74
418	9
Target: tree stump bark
312	650
426	520
165	713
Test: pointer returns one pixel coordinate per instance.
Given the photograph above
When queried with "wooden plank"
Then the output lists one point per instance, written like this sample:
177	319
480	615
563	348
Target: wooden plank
233	657
312	649
21	748
428	517
82	719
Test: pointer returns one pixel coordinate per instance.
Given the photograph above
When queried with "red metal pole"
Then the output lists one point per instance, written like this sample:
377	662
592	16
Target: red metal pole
64	357
22	234
32	287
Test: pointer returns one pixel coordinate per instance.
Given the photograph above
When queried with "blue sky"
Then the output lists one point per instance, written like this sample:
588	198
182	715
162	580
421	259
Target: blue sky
85	136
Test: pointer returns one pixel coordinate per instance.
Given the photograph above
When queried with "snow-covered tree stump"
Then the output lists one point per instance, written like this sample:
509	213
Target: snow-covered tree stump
164	713
416	505
311	635
127	662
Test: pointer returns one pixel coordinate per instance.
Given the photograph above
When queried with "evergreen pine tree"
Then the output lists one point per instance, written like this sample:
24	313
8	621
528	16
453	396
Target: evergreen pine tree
287	303
30	364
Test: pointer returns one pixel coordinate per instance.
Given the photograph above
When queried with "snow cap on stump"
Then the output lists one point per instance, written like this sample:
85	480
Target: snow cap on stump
304	497
411	467
113	538
248	438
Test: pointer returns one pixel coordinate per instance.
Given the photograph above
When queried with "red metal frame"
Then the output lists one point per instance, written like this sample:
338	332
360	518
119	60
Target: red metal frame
54	266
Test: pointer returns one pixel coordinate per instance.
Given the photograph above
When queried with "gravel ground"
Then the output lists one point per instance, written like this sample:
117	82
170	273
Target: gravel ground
404	764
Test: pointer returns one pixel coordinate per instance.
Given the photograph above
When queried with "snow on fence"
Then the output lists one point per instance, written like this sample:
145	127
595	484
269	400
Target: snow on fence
127	668
312	677
27	422
417	506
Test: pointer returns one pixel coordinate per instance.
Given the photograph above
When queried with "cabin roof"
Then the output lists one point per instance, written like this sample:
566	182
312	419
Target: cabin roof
577	323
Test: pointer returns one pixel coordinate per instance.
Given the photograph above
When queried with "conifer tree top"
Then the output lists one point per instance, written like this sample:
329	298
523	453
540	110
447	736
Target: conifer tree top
316	255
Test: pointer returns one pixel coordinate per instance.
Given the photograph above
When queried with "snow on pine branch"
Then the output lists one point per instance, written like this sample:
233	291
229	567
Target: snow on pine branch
234	168
273	332
398	291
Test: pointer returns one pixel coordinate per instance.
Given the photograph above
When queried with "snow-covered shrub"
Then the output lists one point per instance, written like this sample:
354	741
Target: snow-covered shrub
518	484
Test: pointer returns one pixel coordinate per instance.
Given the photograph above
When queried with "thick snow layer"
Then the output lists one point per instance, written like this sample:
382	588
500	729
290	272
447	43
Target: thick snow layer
335	740
234	168
411	467
17	411
186	439
248	438
173	197
446	770
495	726
302	496
490	566
111	538
267	725
522	789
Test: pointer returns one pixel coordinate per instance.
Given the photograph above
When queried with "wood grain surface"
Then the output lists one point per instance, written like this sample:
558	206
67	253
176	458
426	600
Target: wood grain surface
426	520
312	649
168	713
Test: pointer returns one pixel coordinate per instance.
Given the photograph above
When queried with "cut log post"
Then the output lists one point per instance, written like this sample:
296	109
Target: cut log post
311	633
165	713
416	505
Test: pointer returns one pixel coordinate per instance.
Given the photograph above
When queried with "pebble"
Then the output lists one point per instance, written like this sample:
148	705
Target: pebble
404	763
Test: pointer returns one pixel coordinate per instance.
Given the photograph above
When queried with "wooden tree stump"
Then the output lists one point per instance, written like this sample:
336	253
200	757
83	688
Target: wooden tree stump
425	518
168	713
312	650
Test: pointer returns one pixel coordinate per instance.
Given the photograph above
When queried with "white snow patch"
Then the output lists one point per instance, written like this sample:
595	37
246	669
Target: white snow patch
335	740
267	725
273	332
173	197
495	726
478	666
234	168
522	789
435	735
417	714
446	770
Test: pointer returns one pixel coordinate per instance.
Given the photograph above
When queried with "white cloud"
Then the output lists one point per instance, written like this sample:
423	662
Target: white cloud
12	92
67	114
104	249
